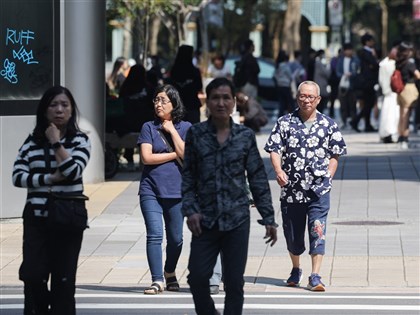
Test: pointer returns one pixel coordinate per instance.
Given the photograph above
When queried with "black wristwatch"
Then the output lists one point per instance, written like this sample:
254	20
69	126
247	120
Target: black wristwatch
56	145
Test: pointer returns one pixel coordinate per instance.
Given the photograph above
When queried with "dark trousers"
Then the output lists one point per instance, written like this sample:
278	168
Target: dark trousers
49	252
286	102
233	246
369	100
348	103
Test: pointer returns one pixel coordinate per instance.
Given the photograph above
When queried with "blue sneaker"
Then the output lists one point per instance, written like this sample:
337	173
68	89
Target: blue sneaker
295	277
315	283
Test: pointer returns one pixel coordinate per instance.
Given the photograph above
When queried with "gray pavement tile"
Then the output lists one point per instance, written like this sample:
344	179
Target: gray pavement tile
113	248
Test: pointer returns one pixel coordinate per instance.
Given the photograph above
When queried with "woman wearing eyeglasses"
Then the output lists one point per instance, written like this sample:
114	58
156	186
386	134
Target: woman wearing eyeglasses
162	150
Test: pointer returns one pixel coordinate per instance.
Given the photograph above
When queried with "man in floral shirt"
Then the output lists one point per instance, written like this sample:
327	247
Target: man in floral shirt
304	147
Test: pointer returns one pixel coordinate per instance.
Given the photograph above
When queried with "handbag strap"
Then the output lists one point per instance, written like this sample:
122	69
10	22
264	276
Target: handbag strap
168	145
47	157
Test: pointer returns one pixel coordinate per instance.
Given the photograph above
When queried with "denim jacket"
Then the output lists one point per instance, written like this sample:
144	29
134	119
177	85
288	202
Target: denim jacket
354	68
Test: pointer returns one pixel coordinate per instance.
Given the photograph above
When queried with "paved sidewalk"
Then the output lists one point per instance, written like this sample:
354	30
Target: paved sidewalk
372	238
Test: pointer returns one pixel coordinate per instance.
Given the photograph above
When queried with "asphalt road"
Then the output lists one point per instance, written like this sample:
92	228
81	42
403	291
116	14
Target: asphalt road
132	301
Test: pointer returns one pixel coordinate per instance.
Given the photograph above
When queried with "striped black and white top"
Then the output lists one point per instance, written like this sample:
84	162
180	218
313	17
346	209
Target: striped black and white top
30	171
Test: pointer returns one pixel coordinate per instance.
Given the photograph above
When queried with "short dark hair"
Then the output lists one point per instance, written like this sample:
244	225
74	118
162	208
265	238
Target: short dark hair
178	110
347	46
282	56
42	122
248	44
396	43
218	82
365	38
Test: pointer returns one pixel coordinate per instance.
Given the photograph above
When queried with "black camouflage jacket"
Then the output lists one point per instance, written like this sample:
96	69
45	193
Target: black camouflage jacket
214	177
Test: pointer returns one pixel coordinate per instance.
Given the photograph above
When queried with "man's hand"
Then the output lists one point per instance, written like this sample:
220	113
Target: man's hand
194	224
271	234
281	178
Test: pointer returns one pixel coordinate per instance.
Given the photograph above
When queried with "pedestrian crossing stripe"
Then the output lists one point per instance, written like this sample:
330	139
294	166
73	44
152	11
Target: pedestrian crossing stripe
247	306
140	295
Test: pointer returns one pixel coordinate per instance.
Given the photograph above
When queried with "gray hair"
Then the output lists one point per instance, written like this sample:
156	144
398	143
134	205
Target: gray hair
318	90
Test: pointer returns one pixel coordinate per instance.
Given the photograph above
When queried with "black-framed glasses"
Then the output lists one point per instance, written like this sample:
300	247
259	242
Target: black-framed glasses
303	97
161	100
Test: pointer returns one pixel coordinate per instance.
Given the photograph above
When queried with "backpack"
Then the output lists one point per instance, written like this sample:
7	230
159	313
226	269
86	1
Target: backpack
397	83
239	75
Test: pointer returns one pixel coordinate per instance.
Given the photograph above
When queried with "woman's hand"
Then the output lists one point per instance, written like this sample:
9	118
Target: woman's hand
56	177
168	126
179	144
52	133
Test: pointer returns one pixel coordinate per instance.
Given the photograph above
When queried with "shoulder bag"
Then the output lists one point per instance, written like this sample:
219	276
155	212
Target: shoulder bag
66	210
397	83
168	145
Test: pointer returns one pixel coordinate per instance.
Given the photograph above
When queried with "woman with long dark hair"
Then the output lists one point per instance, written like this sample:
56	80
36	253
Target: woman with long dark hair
117	76
187	79
136	96
50	252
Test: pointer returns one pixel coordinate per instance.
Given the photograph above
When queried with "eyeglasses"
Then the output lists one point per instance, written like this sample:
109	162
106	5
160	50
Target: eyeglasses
303	97
162	100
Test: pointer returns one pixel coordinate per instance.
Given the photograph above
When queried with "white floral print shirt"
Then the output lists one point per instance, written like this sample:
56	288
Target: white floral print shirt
305	154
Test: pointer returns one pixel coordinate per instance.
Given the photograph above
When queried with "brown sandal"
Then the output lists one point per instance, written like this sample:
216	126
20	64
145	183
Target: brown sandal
155	288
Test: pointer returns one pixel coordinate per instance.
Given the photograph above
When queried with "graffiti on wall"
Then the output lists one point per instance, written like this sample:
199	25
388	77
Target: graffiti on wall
18	42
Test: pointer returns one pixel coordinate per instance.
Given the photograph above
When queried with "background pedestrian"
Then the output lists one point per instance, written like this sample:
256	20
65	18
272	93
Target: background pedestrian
347	67
408	97
187	79
388	123
283	78
136	97
369	68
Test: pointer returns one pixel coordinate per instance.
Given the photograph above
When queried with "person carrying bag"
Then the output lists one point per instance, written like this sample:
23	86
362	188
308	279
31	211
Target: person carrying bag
408	96
65	210
50	163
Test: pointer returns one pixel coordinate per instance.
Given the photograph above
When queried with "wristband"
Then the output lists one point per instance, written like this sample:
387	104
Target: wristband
56	145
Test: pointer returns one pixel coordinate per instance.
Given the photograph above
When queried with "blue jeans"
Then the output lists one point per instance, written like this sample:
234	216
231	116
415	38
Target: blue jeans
233	246
153	209
294	217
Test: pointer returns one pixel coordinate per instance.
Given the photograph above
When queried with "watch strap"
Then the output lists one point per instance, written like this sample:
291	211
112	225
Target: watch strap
56	145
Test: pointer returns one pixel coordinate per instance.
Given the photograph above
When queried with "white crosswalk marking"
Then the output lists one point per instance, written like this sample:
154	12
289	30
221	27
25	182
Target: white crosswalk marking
134	301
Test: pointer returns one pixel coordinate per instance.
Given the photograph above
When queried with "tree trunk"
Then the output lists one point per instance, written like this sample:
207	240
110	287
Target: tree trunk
154	33
384	18
127	38
277	29
291	27
146	38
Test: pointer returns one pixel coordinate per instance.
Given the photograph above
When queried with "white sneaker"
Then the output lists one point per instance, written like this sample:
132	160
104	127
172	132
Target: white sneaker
404	145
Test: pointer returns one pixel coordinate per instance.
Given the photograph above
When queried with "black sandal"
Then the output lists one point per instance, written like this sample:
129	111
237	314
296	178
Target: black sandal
171	282
155	288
